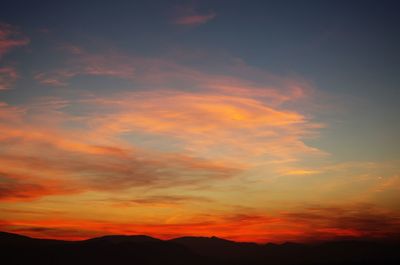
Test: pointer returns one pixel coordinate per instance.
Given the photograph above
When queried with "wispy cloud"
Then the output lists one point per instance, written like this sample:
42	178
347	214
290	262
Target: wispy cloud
190	16
44	158
83	63
207	126
158	200
10	38
359	220
8	76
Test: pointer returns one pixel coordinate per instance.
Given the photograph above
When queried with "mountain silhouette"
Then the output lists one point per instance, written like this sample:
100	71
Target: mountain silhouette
124	239
219	248
145	250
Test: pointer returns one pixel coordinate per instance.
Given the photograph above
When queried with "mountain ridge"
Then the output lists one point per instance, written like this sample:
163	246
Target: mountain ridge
122	249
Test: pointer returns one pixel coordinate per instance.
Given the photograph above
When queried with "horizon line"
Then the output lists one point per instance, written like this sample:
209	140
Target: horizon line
342	239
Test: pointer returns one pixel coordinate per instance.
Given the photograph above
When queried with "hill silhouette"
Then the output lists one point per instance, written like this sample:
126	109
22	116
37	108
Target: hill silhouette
124	239
140	249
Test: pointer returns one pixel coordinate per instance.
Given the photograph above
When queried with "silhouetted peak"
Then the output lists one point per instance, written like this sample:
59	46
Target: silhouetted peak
218	238
201	239
124	238
11	235
291	244
16	239
270	244
5	236
140	249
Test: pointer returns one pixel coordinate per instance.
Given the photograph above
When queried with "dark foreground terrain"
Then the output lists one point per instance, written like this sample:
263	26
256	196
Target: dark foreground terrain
142	250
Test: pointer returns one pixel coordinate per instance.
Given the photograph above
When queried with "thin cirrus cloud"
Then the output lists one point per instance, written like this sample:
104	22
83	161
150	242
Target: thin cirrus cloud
42	157
8	76
188	16
83	63
158	201
10	38
42	160
209	132
209	124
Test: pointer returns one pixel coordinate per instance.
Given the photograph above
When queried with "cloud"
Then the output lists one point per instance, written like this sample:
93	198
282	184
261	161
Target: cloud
207	123
158	200
359	220
44	158
83	63
194	19
10	38
179	126
189	16
71	173
190	105
26	187
8	76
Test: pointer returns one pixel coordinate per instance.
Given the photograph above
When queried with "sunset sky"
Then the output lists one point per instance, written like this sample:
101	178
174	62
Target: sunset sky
263	121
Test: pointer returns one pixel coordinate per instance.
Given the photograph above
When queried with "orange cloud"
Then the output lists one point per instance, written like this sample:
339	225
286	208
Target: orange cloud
235	123
202	110
34	176
208	123
158	200
26	187
41	157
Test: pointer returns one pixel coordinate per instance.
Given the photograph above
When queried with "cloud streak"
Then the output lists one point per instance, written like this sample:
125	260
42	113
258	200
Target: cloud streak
188	16
83	63
8	76
10	38
180	126
195	19
43	158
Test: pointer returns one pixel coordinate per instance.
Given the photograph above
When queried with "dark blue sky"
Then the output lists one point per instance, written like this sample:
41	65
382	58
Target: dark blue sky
343	46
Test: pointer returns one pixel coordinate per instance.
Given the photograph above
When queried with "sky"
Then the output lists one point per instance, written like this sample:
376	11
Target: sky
262	121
